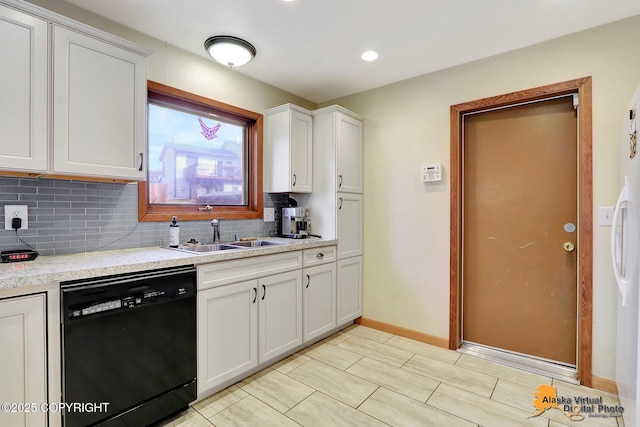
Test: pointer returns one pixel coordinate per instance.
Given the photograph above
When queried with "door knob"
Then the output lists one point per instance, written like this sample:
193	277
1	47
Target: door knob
569	246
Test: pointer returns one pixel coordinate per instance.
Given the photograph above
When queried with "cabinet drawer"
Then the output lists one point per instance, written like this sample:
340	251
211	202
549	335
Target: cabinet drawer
318	256
238	270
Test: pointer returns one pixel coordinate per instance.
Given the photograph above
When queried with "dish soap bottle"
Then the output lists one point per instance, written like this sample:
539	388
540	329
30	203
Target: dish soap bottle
174	233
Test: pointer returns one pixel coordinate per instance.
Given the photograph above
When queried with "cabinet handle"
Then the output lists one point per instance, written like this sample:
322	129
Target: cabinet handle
308	281
255	295
339	181
320	255
264	292
295	178
141	161
340	207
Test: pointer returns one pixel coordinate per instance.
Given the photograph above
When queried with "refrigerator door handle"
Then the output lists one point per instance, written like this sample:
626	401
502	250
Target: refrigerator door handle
618	242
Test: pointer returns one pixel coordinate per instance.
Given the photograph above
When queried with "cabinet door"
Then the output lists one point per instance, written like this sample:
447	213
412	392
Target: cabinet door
23	92
301	150
280	314
349	154
99	108
23	358
227	333
349	290
319	300
288	150
349	225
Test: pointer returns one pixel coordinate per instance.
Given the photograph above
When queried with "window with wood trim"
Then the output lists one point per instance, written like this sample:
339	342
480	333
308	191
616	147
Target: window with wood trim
204	159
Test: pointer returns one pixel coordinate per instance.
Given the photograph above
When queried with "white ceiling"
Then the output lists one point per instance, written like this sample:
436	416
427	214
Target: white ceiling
312	47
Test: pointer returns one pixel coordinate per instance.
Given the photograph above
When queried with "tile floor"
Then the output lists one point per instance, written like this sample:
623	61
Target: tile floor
365	377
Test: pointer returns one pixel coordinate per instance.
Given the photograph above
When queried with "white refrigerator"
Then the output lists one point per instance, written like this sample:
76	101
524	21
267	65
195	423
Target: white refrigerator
625	252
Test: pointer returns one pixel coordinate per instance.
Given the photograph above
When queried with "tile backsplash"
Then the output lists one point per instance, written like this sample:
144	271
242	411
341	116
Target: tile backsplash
67	217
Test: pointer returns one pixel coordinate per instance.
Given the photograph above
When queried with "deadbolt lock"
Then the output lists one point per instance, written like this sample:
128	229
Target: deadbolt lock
569	246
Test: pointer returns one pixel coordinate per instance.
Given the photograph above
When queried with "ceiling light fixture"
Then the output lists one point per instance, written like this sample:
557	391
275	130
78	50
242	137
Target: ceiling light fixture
370	55
230	51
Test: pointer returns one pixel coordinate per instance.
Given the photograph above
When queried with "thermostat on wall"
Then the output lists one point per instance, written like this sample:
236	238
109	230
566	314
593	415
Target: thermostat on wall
432	173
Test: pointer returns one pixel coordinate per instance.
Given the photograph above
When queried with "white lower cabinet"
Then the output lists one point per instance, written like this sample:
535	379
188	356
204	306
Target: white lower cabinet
244	324
319	300
280	314
227	333
23	359
349	290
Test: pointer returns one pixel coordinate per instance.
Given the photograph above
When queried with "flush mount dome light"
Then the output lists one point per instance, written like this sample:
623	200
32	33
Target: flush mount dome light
230	51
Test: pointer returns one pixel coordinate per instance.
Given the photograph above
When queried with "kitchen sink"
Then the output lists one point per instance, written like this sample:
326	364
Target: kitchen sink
218	247
207	249
256	243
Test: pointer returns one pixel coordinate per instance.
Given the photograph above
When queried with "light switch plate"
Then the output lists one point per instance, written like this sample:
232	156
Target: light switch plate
16	211
606	216
269	214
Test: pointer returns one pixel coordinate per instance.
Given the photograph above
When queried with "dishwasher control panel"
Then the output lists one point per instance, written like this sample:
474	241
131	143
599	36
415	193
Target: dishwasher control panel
126	302
119	294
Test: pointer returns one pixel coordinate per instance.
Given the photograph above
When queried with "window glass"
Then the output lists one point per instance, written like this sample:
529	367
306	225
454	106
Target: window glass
195	159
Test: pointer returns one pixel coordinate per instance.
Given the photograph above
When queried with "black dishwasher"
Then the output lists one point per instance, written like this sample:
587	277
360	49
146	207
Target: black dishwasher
128	347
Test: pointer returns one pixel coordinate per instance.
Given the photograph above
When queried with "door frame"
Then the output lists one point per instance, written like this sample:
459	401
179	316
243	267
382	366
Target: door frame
585	208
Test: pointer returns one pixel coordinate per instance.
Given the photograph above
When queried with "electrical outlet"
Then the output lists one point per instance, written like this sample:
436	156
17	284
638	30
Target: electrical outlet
15	211
606	215
269	214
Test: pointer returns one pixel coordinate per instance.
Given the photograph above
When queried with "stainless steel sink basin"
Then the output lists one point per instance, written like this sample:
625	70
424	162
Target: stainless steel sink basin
256	243
205	249
217	247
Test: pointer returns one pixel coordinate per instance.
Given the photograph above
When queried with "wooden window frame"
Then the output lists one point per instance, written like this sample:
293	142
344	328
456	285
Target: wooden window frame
254	209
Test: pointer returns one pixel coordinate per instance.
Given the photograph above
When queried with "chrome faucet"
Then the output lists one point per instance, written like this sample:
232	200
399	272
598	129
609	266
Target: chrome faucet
216	229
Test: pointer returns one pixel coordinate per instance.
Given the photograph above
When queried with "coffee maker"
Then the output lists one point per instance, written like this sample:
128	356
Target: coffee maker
295	222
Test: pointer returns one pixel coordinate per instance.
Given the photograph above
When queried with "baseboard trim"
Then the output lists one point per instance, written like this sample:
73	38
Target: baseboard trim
604	384
404	332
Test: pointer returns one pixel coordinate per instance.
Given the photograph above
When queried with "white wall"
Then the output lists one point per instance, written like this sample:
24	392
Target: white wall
406	263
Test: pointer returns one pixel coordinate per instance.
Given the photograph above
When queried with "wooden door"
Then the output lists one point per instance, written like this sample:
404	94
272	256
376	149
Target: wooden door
520	219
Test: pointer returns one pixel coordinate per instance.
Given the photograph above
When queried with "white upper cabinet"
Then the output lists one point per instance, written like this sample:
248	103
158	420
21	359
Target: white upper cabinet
338	150
23	92
349	154
99	108
288	150
73	99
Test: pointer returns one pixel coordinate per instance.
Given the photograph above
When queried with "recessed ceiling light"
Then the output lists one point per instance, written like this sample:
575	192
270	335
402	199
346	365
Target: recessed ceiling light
370	55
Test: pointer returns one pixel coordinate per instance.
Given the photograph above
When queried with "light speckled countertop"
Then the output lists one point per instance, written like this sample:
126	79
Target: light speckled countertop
53	269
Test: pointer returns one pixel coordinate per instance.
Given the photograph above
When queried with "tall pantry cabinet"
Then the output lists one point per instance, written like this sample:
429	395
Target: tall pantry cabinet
336	201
